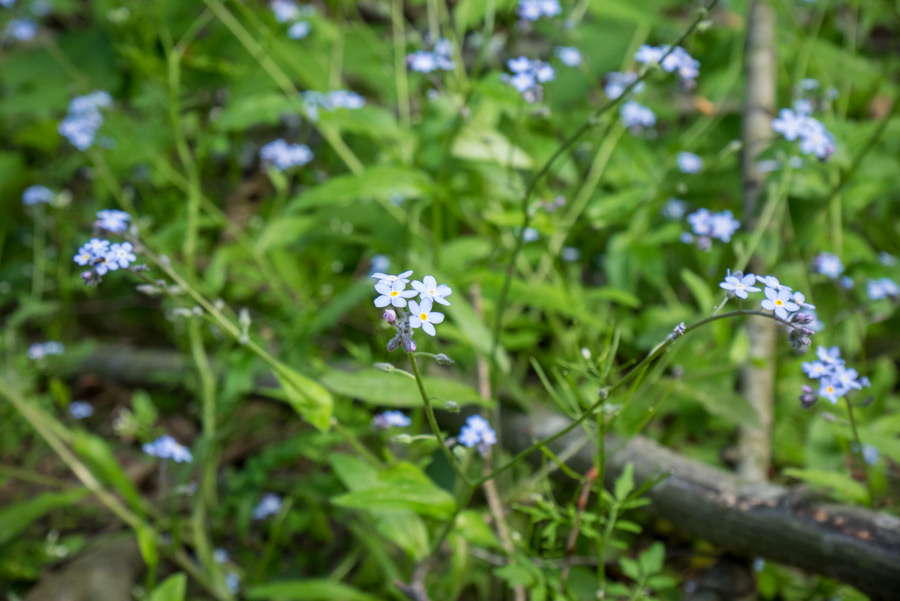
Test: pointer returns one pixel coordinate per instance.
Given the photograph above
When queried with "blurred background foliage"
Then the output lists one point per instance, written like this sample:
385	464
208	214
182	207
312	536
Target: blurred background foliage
429	175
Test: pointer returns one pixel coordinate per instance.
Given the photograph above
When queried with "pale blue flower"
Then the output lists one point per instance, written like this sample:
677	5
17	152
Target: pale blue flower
80	409
394	293
378	264
84	118
829	356
112	220
779	302
886	258
232	582
37	195
220	555
568	55
530	234
870	454
830	390
390	279
283	156
391	418
532	10
617	82
421	316
285	10
740	286
120	256
688	162
676	61
882	288
636	116
429	289
828	265
269	505
815	369
528	74
477	432
570	254
674	209
789	124
299	30
41	350
802	106
166	447
23	30
91	251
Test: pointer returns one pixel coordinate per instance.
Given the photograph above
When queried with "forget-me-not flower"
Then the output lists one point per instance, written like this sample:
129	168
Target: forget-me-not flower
779	302
270	504
421	316
568	55
688	162
283	155
740	285
394	294
616	83
112	220
882	288
166	447
828	265
636	116
391	418
40	350
429	289
477	432
532	10
37	195
80	409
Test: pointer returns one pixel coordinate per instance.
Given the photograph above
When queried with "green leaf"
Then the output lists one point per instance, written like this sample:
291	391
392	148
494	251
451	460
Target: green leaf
396	390
99	456
15	519
146	539
489	146
625	483
308	590
308	398
376	182
260	108
171	589
840	485
402	486
699	288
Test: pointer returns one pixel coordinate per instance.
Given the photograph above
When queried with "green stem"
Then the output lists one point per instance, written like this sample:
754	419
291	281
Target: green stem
859	452
399	32
40	255
639	368
432	421
545	169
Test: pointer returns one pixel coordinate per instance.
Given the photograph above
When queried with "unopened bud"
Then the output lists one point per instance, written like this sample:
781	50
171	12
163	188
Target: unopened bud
603	394
244	318
443	359
393	344
390	315
402	439
802	318
385	367
197	311
409	345
451	406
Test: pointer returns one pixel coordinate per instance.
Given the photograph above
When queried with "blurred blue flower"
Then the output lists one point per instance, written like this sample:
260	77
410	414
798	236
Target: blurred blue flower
80	409
688	162
532	10
166	447
477	432
37	195
40	350
636	116
112	220
23	30
882	288
828	265
299	30
391	418
269	505
568	55
616	83
283	156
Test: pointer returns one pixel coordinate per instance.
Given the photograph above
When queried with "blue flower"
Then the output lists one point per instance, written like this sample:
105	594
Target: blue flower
831	390
636	116
532	10
112	220
299	30
739	285
570	254
829	356
220	555
394	293
870	454
779	302
882	288
91	252
440	58
617	82
828	264
688	162
568	55
166	447
284	156
120	256
284	10
674	209
677	61
84	119
477	432
528	74
233	582
23	30
37	195
80	409
815	369
41	350
391	418
814	138
269	505
707	225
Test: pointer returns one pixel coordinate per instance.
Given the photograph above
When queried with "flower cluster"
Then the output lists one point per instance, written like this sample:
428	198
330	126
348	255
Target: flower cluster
532	10
828	265
166	447
286	11
336	99
835	379
41	350
708	226
440	58
676	61
84	119
528	75
789	307
112	220
269	505
688	162
798	124
637	117
283	156
80	409
34	195
477	432
387	419
568	55
882	288
103	257
393	293
616	83
23	30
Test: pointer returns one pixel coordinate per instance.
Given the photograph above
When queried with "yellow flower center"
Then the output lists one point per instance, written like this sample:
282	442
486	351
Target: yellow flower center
394	293
423	316
779	302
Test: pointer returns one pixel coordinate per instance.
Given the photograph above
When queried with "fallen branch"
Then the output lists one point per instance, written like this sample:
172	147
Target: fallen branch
854	545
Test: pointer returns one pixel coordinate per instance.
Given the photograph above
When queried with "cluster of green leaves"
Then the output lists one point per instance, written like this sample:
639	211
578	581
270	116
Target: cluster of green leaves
430	173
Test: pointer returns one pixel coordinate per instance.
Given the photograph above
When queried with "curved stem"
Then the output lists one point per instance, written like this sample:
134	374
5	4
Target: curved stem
432	420
639	368
859	452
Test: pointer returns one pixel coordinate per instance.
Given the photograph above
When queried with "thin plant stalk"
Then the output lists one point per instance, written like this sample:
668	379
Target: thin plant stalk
859	452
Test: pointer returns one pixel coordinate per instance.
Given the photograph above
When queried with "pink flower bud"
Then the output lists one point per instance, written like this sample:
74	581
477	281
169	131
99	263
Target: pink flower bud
390	316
